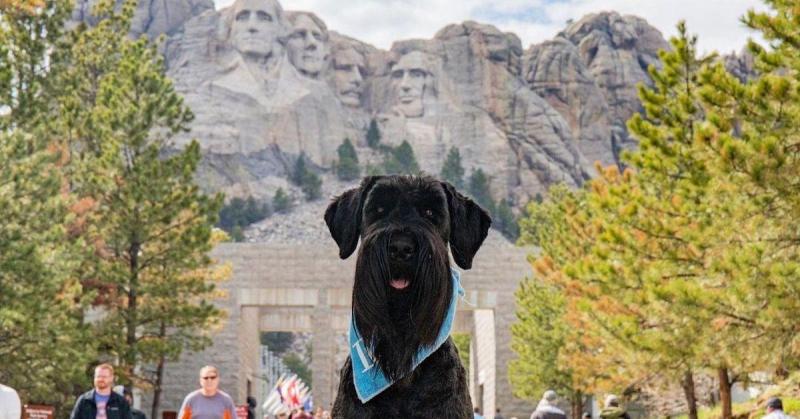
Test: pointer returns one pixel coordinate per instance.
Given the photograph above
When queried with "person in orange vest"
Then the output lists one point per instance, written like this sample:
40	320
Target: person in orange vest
209	402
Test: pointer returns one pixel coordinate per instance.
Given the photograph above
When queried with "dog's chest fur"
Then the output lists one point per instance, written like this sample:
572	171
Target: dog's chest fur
436	389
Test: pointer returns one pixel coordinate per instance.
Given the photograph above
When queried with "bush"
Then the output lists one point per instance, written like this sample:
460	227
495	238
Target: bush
373	134
281	202
401	160
347	166
240	213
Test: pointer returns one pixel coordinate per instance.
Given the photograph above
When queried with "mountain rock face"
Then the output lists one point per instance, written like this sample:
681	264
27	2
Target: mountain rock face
616	51
556	72
741	65
267	85
152	17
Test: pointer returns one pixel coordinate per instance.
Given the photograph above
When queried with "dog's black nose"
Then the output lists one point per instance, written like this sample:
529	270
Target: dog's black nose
402	248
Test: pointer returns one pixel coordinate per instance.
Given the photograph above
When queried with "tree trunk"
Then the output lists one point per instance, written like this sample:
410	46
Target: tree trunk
131	317
725	392
576	403
688	391
159	379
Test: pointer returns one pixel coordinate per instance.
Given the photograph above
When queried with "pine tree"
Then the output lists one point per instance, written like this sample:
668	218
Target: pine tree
151	225
300	171
281	202
752	128
45	347
254	212
312	186
308	181
241	213
506	221
452	171
404	154
538	338
401	160
373	134
375	170
479	189
654	225
347	166
562	229
634	253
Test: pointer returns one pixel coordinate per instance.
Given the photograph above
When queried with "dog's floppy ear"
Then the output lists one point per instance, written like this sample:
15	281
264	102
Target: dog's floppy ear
343	216
469	225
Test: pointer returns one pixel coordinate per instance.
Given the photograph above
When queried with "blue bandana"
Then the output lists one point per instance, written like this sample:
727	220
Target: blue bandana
368	378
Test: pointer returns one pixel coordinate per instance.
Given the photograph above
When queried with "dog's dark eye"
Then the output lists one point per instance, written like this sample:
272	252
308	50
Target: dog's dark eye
380	210
429	213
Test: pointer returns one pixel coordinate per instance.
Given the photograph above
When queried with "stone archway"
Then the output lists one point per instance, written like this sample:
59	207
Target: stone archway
308	288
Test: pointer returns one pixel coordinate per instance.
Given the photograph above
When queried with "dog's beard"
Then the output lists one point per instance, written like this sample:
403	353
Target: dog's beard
395	325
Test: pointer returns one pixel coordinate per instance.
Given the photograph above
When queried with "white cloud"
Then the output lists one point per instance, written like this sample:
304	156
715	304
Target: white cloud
380	22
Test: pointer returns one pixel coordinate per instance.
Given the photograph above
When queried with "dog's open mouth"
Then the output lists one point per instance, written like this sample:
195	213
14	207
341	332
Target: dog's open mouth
399	283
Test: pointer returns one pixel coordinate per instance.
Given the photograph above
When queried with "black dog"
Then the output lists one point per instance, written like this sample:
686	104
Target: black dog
403	289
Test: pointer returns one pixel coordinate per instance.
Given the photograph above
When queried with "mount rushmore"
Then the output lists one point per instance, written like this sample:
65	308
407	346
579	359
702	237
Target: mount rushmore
267	84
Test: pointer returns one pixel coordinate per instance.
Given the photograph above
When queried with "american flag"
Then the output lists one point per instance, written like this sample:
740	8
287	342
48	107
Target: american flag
290	392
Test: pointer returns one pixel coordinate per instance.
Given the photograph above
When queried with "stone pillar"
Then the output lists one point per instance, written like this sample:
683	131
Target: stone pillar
472	374
485	360
322	352
249	354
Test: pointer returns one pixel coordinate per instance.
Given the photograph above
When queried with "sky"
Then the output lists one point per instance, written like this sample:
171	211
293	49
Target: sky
380	22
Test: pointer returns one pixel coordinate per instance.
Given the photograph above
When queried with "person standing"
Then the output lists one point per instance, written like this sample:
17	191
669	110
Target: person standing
775	409
209	402
10	405
613	410
548	408
251	407
135	413
301	414
100	402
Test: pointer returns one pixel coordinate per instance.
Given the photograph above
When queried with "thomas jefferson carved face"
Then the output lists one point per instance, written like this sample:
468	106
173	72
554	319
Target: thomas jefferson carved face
411	79
308	49
255	28
348	77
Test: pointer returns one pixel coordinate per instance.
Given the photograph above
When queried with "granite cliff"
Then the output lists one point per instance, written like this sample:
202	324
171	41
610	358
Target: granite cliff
267	84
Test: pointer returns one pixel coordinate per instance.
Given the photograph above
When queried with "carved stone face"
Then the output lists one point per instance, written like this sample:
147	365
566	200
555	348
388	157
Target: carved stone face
348	77
308	47
410	81
255	27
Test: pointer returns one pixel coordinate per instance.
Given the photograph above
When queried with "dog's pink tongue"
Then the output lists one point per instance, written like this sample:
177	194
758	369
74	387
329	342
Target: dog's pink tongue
399	283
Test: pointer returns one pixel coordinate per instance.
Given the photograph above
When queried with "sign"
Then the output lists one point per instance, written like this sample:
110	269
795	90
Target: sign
36	411
241	412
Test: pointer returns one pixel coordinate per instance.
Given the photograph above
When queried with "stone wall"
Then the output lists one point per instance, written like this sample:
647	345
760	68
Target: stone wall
307	288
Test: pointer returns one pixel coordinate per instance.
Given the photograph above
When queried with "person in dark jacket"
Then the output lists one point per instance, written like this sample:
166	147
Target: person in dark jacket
548	407
135	413
100	402
251	407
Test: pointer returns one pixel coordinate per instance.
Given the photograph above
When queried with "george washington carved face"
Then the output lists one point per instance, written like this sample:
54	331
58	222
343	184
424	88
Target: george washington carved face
256	27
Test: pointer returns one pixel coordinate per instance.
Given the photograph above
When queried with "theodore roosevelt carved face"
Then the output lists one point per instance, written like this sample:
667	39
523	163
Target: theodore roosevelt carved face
348	77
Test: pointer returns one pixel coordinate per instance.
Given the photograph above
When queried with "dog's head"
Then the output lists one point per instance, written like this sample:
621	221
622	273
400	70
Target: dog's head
402	283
